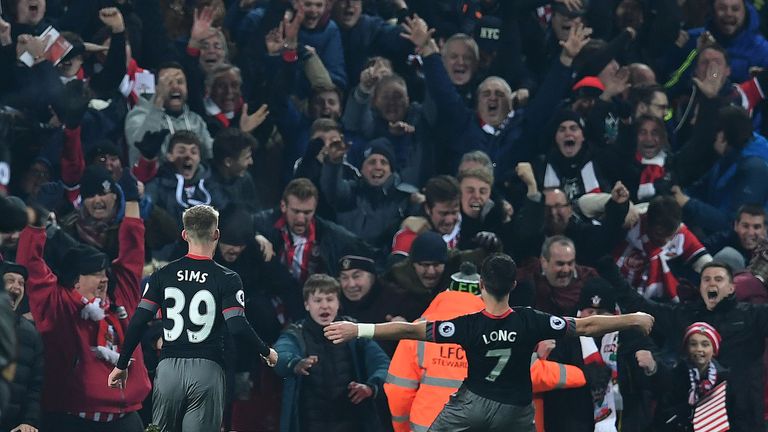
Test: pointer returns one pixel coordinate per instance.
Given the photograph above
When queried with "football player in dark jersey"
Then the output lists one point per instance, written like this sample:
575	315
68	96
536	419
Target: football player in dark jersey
498	342
197	297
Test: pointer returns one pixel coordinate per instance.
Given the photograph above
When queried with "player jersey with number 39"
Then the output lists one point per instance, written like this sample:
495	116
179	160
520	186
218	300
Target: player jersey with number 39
499	349
195	295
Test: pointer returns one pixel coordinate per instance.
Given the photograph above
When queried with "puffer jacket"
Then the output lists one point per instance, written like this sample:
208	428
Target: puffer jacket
24	406
369	363
745	49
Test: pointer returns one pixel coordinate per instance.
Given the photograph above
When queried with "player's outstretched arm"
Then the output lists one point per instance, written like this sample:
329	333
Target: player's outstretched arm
598	325
344	331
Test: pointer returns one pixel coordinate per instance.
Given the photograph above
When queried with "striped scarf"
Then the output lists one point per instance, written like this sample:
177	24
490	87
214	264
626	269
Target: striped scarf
700	387
298	251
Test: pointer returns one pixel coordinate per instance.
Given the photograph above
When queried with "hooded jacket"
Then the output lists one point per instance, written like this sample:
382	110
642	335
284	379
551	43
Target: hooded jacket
172	193
24	406
745	49
146	117
737	178
74	377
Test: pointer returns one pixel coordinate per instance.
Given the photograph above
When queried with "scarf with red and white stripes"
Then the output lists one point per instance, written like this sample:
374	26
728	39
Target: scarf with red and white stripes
297	252
213	110
604	400
128	84
653	169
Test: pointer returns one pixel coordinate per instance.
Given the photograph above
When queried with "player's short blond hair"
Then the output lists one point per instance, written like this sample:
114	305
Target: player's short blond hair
200	222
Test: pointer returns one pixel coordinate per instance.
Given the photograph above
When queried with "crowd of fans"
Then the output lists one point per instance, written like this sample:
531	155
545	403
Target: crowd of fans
364	154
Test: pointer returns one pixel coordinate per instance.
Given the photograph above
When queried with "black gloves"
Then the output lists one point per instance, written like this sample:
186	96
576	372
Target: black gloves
313	149
128	185
487	240
607	269
598	375
150	143
71	105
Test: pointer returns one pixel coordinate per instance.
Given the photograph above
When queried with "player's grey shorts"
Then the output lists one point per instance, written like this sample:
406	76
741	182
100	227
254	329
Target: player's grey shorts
466	411
188	395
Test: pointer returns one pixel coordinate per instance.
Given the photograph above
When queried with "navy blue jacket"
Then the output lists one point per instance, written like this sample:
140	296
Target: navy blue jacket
370	364
732	181
514	142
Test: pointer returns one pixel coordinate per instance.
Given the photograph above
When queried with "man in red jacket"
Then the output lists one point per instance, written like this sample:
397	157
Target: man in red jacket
83	328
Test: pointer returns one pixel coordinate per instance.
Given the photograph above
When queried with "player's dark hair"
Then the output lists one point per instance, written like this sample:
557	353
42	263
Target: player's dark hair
440	189
665	213
320	283
301	188
184	137
719	264
230	143
200	222
498	273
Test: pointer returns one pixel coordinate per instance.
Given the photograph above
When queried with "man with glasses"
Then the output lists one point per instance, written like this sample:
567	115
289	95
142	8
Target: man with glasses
550	213
649	100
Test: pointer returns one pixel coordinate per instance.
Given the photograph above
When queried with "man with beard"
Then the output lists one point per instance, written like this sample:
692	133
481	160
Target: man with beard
304	243
742	240
167	110
552	213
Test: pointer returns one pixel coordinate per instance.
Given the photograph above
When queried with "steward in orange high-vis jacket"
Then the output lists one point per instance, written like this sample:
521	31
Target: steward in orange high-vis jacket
423	375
